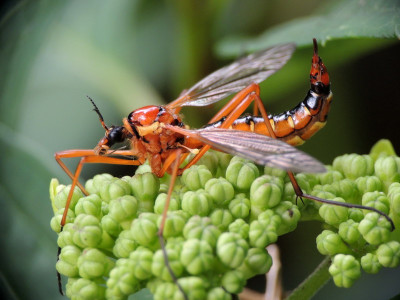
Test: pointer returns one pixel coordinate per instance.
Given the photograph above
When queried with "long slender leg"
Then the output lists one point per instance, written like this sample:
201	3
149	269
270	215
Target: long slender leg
234	109
176	156
87	156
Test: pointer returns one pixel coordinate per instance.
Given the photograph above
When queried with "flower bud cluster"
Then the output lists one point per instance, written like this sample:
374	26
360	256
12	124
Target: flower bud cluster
222	214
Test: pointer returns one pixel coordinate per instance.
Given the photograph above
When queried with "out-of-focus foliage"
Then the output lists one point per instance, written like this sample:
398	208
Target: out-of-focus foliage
127	54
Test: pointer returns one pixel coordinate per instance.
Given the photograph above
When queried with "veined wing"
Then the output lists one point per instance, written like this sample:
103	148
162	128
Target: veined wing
260	148
253	68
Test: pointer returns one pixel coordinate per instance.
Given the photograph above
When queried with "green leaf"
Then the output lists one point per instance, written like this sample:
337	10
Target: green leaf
368	18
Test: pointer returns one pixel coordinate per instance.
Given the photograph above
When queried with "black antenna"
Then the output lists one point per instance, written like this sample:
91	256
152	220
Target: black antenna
96	109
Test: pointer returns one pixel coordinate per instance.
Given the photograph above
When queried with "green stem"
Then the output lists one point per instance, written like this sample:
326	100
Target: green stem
312	283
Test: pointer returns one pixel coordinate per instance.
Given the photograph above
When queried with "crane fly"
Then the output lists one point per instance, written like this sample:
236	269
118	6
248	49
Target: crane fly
157	133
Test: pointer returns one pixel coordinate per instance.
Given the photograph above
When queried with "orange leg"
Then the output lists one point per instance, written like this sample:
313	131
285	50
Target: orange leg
175	158
87	156
233	110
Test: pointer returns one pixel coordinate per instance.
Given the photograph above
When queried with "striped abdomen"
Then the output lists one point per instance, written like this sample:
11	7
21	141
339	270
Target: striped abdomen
293	126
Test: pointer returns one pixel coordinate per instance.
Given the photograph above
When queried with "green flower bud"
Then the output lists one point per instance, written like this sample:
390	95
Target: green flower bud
370	263
288	193
144	229
348	231
93	186
354	165
87	231
174	224
145	187
377	200
387	169
321	192
231	249
83	288
107	242
159	268
104	208
270	217
55	222
142	169
197	256
240	206
175	243
329	188
153	283
123	210
346	189
308	181
142	260
218	293
330	243
194	288
90	205
275	172
356	214
54	185
210	160
261	234
221	218
220	190
241	174
111	226
257	261
124	244
145	207
389	254
374	228
394	198
382	147
113	189
233	281
330	177
165	290
197	203
240	227
333	214
369	184
66	236
202	229
69	285
60	199
345	270
121	283
196	177
289	214
223	159
174	203
93	264
67	263
265	192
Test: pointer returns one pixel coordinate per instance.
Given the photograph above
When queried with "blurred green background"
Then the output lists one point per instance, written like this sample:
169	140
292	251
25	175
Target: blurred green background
127	54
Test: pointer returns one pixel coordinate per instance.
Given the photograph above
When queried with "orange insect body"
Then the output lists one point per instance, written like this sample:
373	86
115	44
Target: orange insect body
151	140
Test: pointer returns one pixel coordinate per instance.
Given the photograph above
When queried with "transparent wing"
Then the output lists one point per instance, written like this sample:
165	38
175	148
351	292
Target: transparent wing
260	148
254	68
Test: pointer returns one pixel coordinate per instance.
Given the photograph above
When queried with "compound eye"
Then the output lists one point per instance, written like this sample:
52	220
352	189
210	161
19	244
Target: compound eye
116	135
